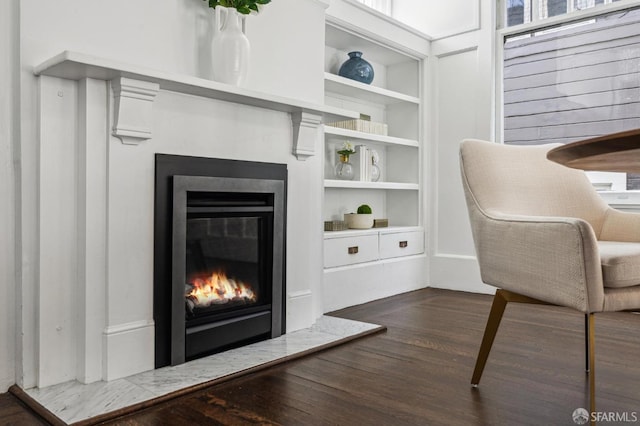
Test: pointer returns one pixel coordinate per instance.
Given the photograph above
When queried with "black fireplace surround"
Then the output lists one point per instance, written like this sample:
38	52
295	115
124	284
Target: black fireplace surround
219	255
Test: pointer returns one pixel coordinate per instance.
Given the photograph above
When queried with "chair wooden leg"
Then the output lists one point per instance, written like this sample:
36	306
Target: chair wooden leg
497	309
500	300
591	325
586	342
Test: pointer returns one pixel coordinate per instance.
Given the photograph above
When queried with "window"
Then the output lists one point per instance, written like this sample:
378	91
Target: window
549	8
520	11
383	6
573	82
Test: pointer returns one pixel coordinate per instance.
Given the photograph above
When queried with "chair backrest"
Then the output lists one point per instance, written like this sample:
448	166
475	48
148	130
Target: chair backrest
520	180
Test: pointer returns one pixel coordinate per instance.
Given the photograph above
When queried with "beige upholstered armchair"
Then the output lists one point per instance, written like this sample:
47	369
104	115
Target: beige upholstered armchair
543	235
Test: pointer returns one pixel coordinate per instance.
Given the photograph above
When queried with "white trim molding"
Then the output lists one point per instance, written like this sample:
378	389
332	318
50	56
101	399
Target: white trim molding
305	134
133	109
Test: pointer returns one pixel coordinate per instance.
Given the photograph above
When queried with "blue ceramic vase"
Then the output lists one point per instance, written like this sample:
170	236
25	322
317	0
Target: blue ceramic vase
357	68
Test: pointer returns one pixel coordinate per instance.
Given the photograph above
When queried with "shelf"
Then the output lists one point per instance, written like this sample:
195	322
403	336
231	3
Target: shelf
382	139
370	231
346	87
356	184
76	66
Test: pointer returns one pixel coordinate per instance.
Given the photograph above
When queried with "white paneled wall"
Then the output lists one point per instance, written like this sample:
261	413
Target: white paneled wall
8	132
462	105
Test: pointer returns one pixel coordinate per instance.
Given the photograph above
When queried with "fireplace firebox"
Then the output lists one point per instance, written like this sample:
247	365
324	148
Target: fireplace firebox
219	255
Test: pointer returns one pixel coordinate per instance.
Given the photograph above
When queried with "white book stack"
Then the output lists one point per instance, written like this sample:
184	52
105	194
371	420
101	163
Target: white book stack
364	159
360	125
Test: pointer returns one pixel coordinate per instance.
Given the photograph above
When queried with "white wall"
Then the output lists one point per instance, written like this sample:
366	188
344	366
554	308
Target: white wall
371	24
175	36
438	18
463	107
8	133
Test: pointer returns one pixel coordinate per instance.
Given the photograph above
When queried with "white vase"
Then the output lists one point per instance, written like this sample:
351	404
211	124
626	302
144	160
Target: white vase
230	48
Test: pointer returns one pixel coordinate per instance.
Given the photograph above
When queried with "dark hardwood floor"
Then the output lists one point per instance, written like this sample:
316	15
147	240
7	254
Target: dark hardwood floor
13	412
418	372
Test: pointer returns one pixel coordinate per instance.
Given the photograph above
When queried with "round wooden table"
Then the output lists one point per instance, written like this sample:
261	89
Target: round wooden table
617	152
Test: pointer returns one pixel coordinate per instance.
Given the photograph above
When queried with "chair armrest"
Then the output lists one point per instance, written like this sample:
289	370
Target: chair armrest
552	259
620	226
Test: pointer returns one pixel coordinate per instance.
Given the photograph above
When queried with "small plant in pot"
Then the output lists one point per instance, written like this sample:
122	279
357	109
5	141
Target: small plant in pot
242	6
363	219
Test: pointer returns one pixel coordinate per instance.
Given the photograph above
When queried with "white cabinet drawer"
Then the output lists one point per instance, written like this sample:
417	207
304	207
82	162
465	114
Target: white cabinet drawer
401	244
350	250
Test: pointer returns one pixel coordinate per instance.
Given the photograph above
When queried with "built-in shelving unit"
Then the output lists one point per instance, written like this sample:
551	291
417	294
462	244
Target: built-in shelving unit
377	261
393	99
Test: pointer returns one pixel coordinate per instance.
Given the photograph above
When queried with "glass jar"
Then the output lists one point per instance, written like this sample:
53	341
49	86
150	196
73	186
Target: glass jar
344	169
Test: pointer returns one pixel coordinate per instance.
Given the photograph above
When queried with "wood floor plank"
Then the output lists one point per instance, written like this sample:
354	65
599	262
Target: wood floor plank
14	413
418	372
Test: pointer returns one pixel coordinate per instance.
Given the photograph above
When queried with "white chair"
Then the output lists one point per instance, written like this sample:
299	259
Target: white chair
543	235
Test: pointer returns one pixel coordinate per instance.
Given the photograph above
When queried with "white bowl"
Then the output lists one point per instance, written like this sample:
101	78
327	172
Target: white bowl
359	221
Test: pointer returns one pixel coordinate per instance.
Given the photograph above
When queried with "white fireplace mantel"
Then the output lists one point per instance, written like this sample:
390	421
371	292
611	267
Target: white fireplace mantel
136	87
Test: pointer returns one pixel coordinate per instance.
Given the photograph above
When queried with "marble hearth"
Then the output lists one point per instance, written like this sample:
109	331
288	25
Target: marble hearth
73	402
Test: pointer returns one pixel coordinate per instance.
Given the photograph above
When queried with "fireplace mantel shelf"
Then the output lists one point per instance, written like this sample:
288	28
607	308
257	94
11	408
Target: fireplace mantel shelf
136	86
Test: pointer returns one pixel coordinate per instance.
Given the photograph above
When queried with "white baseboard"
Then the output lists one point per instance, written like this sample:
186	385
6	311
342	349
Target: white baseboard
362	283
454	272
129	349
299	310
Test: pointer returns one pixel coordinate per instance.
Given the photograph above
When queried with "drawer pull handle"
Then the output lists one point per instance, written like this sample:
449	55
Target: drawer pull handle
403	244
353	250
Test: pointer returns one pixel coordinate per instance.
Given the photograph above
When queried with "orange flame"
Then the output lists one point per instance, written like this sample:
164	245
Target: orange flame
218	289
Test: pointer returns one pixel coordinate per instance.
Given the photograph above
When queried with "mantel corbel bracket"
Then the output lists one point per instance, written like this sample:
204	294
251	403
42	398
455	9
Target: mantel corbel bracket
305	134
133	109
